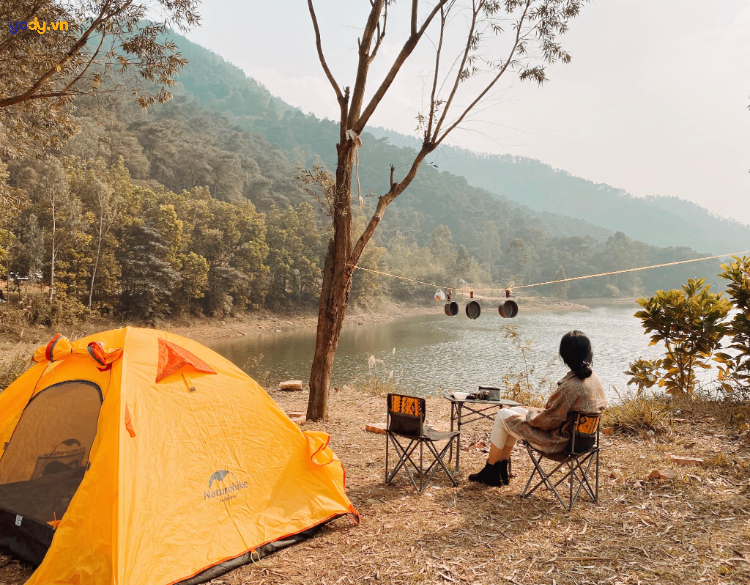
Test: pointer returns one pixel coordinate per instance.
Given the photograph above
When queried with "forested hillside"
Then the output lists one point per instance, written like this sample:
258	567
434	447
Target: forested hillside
657	220
196	207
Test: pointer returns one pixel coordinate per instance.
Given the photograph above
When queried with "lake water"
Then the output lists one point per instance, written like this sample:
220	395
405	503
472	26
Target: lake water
434	354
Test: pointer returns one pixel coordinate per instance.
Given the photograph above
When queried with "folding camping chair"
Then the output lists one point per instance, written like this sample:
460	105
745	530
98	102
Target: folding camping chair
575	461
406	421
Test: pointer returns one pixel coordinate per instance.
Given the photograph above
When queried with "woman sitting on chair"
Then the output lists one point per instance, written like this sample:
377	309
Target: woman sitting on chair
579	391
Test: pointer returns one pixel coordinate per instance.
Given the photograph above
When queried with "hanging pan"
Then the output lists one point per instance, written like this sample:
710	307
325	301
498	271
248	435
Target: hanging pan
451	307
508	309
473	310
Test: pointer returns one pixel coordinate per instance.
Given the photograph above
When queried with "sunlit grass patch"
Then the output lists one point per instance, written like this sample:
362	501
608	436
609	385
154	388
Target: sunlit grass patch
635	413
11	366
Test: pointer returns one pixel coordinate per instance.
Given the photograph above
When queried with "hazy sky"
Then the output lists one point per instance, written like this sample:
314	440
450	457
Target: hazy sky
655	99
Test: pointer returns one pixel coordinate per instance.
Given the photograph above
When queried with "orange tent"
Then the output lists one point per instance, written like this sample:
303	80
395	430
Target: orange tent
138	457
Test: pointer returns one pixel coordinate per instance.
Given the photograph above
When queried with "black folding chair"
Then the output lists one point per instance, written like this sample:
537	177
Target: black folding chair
406	421
575	462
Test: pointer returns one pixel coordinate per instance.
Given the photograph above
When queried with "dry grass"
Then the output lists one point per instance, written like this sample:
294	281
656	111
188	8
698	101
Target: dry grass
695	529
635	413
13	363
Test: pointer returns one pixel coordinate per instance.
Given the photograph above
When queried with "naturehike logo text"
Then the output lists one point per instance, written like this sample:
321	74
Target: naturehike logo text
223	484
40	27
66	448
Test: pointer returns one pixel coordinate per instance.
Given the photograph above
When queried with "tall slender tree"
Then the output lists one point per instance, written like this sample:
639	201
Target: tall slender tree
498	39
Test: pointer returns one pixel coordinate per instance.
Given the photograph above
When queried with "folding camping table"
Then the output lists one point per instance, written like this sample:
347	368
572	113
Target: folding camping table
477	410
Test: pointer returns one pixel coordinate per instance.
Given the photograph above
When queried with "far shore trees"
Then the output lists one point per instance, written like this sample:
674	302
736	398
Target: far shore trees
498	40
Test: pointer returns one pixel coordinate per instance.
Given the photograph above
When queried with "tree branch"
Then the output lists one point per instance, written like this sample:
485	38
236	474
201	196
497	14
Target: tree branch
363	66
474	13
406	50
68	56
380	34
86	68
384	201
491	84
433	106
319	45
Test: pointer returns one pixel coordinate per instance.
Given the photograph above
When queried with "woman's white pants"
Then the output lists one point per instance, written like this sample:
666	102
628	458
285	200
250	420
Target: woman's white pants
500	433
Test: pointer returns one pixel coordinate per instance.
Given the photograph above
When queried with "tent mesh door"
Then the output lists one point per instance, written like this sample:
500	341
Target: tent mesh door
48	452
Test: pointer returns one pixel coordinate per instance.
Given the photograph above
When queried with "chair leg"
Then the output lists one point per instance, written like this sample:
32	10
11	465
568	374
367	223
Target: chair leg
544	477
526	493
583	482
404	458
438	461
596	501
570	483
576	472
386	458
425	475
421	467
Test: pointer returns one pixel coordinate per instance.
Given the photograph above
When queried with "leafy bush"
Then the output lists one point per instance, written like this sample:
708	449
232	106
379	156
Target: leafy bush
734	370
690	323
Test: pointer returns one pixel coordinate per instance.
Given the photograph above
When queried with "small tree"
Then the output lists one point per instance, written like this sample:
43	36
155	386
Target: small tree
734	370
497	40
560	289
690	323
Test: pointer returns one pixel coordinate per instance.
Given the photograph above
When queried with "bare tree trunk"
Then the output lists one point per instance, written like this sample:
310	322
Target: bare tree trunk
333	302
52	259
98	254
337	284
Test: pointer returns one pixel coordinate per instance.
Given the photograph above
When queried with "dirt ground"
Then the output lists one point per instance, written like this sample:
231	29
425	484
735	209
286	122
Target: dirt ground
693	529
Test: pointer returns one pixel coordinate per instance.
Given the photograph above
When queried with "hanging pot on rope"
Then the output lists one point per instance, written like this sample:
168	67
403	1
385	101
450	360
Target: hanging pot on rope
473	310
451	307
508	308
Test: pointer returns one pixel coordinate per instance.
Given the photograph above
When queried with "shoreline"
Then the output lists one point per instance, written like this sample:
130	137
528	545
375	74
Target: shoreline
20	339
264	322
208	328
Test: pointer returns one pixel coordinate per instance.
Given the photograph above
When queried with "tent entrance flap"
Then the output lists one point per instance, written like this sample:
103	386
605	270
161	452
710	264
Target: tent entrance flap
44	463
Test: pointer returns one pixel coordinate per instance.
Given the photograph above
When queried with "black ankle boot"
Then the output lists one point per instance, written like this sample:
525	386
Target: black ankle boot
503	465
490	475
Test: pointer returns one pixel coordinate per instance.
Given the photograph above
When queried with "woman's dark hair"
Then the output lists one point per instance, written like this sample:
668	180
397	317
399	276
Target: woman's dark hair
575	350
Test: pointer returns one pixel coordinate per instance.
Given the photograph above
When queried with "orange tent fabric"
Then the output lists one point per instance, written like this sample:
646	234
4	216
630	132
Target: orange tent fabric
173	358
146	482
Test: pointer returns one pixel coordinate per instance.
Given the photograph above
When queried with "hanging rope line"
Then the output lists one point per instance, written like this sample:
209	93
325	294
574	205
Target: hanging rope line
553	281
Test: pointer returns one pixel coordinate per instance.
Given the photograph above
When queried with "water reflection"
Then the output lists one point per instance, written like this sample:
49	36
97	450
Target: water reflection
438	353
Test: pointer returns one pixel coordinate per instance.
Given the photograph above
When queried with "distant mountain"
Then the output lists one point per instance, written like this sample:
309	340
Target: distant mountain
547	194
657	220
224	88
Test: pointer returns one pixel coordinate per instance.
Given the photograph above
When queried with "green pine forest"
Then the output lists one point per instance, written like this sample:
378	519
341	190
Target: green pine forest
199	207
